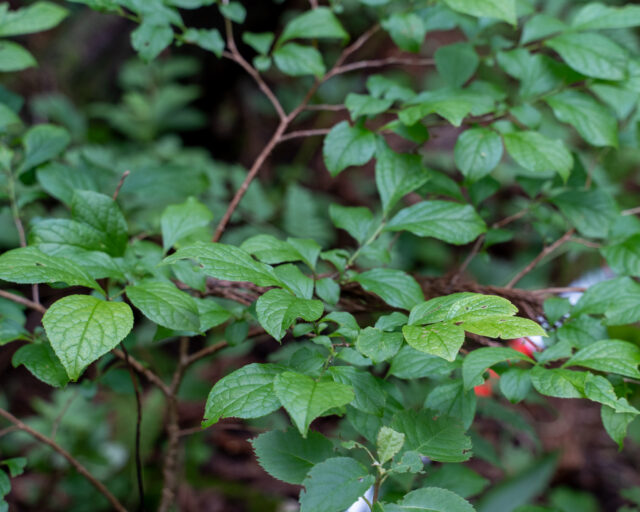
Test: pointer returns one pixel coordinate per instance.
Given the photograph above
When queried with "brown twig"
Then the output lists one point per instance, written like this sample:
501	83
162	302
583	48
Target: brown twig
143	370
25	302
206	351
120	183
326	107
631	211
547	250
115	504
304	133
379	63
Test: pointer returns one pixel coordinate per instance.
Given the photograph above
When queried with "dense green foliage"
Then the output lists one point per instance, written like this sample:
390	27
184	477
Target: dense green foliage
385	336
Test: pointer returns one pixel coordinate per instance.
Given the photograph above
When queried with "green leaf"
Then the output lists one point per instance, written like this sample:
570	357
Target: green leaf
181	220
616	424
277	310
365	105
328	290
624	257
591	54
507	328
515	384
259	42
451	399
442	439
475	364
210	40
461	306
288	456
103	214
269	249
151	38
541	26
235	11
36	17
407	30
457	478
8	118
28	265
355	220
244	393
431	499
594	122
442	339
395	287
162	303
445	220
50	235
477	152
411	364
15	465
293	278
618	299
388	443
559	383
317	23
378	345
370	397
42	362
456	63
296	60
305	399
41	143
614	356
397	174
598	389
595	16
347	145
82	328
537	153
592	211
334	485
227	262
500	9
14	57
451	104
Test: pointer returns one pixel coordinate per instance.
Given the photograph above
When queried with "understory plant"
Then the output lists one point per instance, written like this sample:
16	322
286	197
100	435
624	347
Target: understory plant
364	338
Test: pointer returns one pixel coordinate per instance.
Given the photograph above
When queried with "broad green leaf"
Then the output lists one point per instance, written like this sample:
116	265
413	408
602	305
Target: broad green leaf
395	287
227	262
292	277
412	364
50	235
164	304
334	485
431	499
378	345
365	105
593	122
614	356
296	60
592	211
451	399
541	26
41	143
37	17
616	424
103	214
314	24
397	174
537	153
210	40
618	300
15	465
269	249
451	104
14	57
407	30
370	397
559	383
305	399
151	38
477	152
328	290
288	456
388	443
456	63
442	339
475	364
277	310
624	257
507	328
211	314
442	439
181	220
445	220
500	9
356	220
261	42
461	306
595	16
42	362
347	145
8	118
308	249
515	384
618	98
591	54
82	328
598	389
235	11
28	265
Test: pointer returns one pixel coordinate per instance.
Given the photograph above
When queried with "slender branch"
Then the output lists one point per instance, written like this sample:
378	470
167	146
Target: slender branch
558	289
115	504
143	370
326	107
356	45
304	133
472	254
379	63
206	351
25	302
120	183
511	218
547	250
631	211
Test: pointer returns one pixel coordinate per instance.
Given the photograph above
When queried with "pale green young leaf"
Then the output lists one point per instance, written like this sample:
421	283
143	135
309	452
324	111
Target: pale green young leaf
82	328
507	328
356	220
42	362
103	214
277	310
592	211
378	345
41	143
477	152
431	499
624	257
443	339
515	384
164	304
347	145
227	262
500	9
407	30
296	60
616	424
244	393
395	287
558	382
37	17
365	105
445	220
288	456
388	443
28	265
537	153
475	364
14	57
596	16
456	63
614	356
451	399
314	24
334	485
210	40
461	306
261	42
181	220
305	399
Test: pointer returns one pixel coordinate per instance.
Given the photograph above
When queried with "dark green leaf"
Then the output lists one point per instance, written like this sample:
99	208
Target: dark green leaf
347	145
395	287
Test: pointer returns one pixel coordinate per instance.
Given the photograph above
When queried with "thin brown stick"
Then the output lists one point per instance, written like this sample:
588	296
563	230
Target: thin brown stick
379	63
558	289
120	183
511	218
304	133
115	504
25	302
206	351
547	250
143	370
472	254
326	107
631	211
